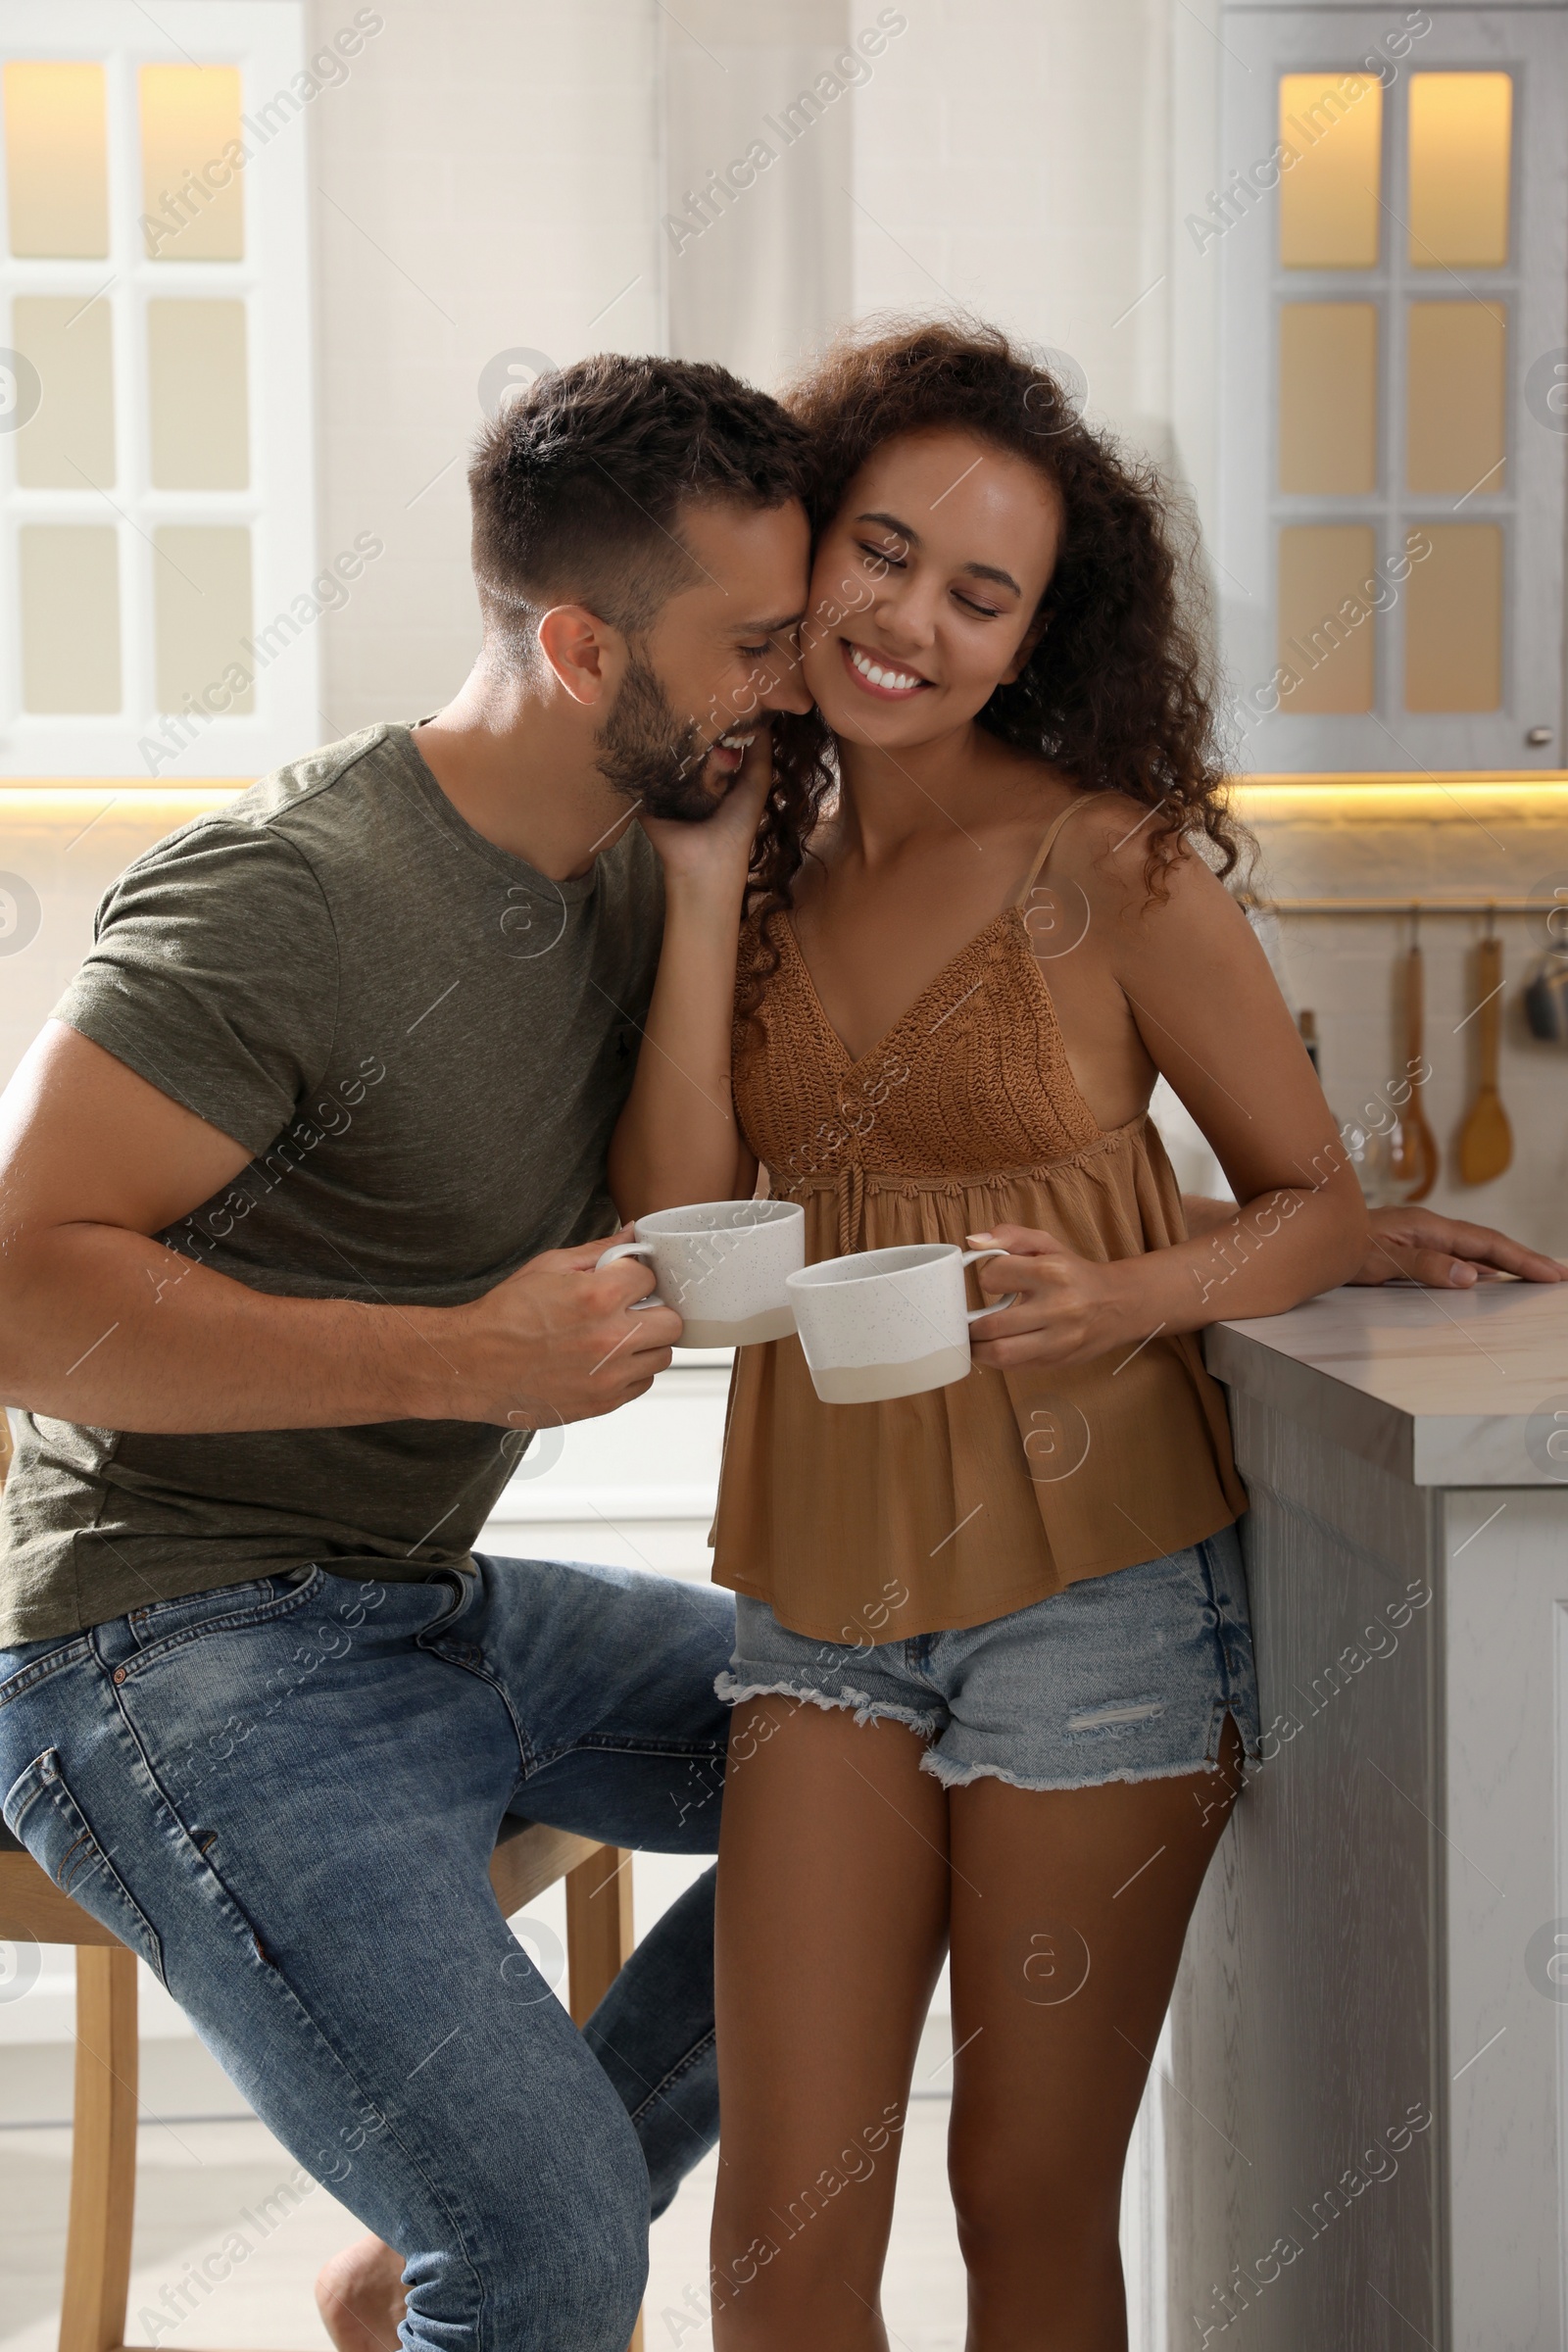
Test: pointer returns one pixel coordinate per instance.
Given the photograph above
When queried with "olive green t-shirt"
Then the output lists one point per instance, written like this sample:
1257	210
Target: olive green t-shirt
425	1043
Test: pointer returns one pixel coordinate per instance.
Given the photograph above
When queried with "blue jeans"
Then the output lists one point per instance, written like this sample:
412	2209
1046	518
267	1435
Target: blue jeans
284	1795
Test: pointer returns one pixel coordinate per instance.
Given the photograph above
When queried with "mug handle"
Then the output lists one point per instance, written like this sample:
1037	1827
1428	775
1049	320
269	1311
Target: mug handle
972	1314
634	1307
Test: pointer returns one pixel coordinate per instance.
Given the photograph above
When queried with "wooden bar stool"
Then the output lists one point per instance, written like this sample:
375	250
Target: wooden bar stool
103	2156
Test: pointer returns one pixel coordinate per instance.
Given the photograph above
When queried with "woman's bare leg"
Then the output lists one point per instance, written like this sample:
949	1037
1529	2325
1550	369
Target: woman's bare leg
1069	1909
832	1921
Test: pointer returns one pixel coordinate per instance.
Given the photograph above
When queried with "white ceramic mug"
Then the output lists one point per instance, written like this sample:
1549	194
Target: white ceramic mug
888	1322
721	1265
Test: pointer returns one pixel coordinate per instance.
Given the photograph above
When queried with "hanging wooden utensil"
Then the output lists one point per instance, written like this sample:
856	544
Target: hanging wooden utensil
1486	1140
1413	1159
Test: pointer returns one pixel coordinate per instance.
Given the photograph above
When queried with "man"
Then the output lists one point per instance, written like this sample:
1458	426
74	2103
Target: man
303	1186
303	1190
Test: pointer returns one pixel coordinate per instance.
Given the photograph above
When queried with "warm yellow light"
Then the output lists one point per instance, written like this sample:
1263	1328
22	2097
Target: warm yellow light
1331	127
57	160
1460	134
1409	799
1495	779
191	173
75	796
1264	794
1255	799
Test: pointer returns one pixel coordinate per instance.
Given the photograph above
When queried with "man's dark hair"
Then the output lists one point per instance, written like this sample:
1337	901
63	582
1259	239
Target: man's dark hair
577	486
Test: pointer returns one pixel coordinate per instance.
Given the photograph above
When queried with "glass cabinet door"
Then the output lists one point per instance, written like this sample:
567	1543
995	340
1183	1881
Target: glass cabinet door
156	509
1392	233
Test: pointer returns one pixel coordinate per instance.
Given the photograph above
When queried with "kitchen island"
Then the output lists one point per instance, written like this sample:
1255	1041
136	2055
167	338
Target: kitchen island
1363	2122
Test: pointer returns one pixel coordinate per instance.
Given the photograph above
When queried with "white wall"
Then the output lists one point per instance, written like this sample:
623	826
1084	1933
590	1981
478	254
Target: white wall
1011	160
764	96
67	852
487	181
492	176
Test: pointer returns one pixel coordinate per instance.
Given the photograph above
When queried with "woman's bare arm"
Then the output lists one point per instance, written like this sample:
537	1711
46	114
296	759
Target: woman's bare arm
1411	1244
1416	1244
678	1140
1209	1012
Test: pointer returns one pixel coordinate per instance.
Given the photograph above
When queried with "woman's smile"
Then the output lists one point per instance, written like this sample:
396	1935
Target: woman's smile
878	675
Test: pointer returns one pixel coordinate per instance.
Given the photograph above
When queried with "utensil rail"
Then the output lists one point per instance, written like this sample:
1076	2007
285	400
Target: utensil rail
1255	903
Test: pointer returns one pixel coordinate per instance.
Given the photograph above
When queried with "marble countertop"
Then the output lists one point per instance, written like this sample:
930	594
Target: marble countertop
1443	1387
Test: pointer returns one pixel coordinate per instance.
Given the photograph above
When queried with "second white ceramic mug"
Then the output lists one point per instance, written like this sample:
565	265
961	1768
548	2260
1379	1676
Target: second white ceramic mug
888	1322
723	1267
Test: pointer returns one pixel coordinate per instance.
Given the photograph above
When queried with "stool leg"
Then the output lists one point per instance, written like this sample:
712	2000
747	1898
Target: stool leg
599	1932
103	2153
599	1939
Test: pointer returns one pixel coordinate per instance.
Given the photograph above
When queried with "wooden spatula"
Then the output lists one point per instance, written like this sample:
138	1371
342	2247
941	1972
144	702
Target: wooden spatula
1486	1140
1413	1156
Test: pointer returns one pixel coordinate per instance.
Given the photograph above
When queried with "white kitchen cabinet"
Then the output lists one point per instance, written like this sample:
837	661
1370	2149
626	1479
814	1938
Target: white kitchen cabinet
1366	2145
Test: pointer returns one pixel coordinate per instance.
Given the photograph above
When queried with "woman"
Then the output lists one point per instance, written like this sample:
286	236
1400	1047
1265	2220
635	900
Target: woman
993	1685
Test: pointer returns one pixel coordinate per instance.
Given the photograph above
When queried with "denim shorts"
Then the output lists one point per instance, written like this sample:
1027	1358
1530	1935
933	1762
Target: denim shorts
1126	1676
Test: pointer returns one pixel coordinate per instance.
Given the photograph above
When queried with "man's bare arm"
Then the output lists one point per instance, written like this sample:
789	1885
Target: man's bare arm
101	1324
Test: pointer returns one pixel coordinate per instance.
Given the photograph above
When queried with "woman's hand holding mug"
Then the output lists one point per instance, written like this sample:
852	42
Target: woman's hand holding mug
1071	1309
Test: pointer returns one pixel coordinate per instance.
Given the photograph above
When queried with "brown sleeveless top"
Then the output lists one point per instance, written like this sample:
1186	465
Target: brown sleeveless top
872	1522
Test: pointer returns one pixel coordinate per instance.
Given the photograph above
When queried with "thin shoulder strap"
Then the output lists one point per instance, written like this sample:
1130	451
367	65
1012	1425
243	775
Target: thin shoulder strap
1048	844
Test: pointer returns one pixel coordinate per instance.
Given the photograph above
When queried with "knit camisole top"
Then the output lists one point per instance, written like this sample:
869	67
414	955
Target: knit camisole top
875	1522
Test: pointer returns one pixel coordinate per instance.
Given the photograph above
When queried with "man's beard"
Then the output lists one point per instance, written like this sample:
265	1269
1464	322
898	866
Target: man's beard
647	753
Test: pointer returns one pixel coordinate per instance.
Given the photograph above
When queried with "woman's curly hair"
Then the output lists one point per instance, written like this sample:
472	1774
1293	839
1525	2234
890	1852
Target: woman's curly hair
1119	691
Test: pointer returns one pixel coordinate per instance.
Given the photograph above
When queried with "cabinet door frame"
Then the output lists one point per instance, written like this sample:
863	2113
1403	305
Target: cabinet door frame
1260	44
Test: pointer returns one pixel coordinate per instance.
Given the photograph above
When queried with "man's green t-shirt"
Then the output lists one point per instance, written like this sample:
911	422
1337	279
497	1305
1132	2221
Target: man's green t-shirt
425	1044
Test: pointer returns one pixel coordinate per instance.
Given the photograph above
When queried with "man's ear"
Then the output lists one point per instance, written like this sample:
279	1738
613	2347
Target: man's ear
1031	638
586	654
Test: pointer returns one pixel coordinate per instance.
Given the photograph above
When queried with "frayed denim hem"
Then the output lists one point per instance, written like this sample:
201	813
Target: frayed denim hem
867	1709
953	1775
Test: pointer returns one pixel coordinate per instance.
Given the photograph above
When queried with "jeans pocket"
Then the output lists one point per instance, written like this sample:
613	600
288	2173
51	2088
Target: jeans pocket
41	1811
155	1619
162	1626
